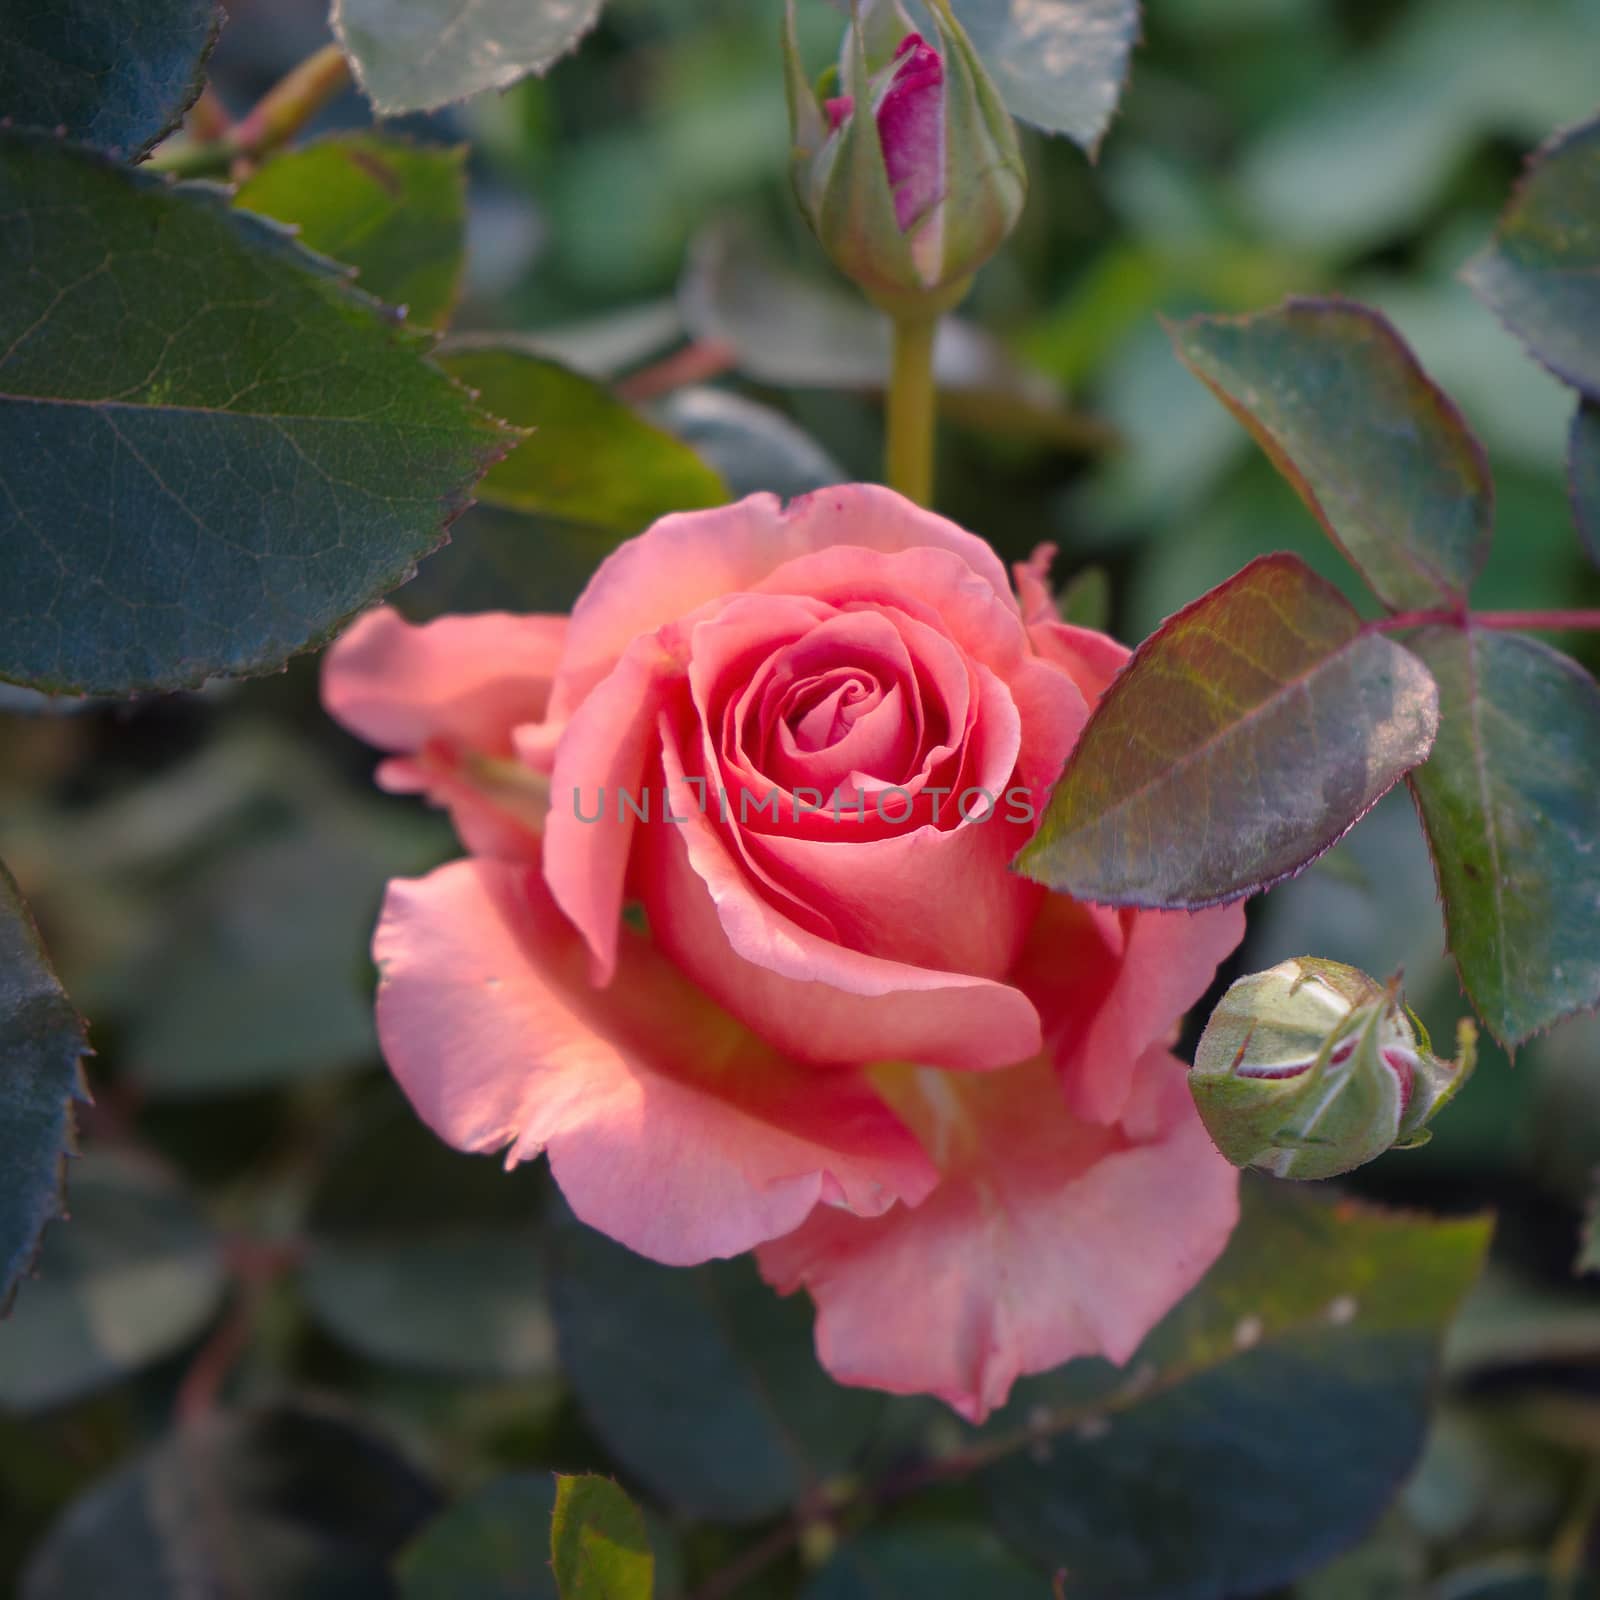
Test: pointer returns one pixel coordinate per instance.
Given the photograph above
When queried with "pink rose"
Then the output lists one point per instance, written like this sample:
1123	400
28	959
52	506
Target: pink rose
852	1040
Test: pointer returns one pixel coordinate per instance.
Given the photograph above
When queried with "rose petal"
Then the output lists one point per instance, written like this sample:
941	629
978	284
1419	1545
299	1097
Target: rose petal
809	996
466	680
1049	1239
682	561
1110	984
669	1127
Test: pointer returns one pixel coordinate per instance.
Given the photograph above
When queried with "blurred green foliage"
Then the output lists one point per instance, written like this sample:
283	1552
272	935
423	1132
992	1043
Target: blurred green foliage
261	1217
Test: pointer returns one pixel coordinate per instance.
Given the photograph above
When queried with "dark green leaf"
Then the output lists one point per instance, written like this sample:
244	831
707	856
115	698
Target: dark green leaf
394	210
1059	64
931	1561
598	1544
494	1545
1511	802
1263	1427
590	458
751	445
134	1274
422	1257
115	73
218	481
1378	452
722	1410
1246	735
288	1502
505	561
1584	472
416	55
1541	273
41	1041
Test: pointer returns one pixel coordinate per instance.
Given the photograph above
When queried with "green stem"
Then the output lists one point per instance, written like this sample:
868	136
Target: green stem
908	464
281	113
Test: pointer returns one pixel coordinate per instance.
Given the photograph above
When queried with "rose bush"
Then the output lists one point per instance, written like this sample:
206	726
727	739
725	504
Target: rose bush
805	744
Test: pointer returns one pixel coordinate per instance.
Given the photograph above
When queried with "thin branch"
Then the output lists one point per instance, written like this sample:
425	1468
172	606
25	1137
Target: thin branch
278	116
1529	621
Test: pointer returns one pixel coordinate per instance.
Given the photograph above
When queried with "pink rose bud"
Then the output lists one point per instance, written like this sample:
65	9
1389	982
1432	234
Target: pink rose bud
912	200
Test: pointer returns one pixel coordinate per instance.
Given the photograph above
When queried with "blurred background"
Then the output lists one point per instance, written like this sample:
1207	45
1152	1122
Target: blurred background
257	1211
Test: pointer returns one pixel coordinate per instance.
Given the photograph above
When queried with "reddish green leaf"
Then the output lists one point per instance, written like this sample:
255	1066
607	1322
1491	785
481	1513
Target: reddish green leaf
1378	452
1511	802
1245	736
1541	272
1583	465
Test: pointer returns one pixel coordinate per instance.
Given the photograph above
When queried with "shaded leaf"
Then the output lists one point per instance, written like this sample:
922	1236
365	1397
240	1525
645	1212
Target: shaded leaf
1059	64
133	1275
394	210
1512	1578
1185	1476
422	1257
115	73
1085	600
285	1502
598	1544
828	338
751	445
1584	473
256	976
417	55
722	1411
214	483
933	1561
1509	1322
590	458
494	1545
42	1039
506	561
1244	737
1541	273
1510	800
1371	143
1378	452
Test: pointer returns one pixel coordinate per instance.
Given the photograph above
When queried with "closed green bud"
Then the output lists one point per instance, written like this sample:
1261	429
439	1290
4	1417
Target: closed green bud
905	161
1312	1069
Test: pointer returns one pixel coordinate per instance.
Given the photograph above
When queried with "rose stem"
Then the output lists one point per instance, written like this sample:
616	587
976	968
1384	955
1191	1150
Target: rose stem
280	114
908	458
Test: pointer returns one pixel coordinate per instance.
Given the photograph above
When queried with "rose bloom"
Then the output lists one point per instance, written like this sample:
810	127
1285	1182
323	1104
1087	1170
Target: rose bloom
852	1040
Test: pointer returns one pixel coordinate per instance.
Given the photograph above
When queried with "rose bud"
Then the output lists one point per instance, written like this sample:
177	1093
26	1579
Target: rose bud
1312	1069
906	162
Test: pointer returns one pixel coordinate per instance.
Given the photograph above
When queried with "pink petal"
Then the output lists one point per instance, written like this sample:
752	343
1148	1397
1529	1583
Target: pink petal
1111	984
682	561
668	1126
466	680
1089	658
1051	1239
812	997
442	694
911	128
606	751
